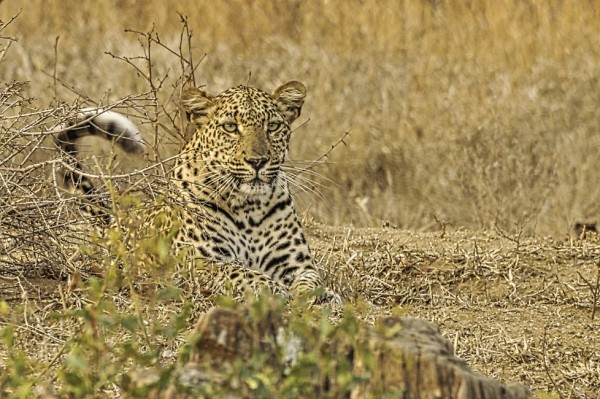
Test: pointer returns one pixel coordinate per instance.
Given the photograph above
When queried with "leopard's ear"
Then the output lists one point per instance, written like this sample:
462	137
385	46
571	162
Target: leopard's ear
289	99
197	105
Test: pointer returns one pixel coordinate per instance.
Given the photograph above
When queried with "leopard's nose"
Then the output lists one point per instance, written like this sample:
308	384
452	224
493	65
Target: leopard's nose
257	162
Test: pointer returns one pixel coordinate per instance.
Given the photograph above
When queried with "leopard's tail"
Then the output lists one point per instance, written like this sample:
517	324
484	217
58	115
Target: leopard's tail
109	125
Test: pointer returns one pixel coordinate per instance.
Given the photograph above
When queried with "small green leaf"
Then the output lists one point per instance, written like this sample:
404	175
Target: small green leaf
7	334
4	308
130	323
169	293
76	362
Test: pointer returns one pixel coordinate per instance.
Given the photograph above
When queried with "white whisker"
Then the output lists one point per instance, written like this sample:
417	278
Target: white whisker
297	171
310	180
303	187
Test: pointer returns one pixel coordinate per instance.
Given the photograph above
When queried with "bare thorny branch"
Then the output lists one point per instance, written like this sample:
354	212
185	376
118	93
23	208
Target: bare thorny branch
322	159
25	134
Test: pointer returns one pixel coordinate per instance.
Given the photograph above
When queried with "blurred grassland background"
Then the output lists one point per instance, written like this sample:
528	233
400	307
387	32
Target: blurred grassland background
473	113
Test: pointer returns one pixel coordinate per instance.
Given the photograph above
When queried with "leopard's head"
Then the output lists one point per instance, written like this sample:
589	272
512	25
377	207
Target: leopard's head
242	135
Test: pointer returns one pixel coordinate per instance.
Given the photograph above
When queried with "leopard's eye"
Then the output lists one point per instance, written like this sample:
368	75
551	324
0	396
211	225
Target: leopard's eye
229	127
273	126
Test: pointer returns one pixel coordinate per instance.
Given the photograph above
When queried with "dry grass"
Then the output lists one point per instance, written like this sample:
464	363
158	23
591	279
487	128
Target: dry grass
516	309
478	115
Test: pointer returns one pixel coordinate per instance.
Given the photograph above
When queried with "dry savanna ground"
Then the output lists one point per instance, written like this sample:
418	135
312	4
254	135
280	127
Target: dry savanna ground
453	145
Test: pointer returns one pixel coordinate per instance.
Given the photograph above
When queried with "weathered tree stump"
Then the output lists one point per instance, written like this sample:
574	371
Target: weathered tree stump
416	360
412	359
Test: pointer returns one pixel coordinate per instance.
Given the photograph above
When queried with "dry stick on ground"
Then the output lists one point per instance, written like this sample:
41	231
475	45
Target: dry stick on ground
544	357
503	234
594	288
442	223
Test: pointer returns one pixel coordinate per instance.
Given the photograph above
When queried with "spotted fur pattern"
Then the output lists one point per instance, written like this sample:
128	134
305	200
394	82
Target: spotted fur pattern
235	211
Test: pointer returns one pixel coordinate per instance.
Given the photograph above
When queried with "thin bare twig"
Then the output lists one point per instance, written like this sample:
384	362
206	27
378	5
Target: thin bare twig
594	289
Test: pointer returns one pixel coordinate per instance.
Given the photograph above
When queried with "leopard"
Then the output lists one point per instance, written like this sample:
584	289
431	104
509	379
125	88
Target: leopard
233	207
